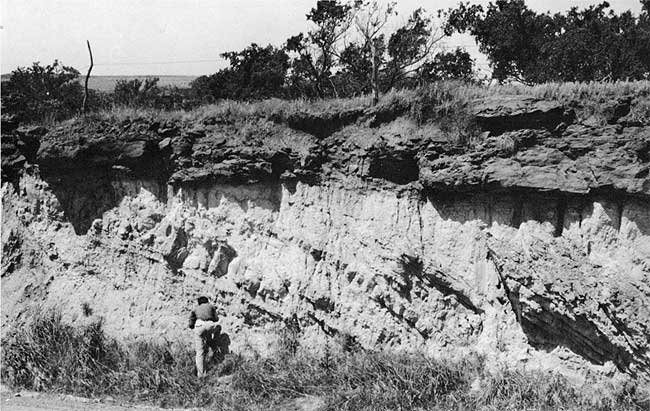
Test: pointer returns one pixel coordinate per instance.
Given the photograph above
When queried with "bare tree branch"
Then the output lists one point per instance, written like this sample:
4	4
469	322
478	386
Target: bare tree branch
83	104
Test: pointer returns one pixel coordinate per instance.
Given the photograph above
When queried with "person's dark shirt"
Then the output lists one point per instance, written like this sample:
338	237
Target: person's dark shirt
205	312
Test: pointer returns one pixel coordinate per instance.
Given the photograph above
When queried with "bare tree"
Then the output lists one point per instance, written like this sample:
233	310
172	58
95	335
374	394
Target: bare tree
90	53
370	22
407	49
351	44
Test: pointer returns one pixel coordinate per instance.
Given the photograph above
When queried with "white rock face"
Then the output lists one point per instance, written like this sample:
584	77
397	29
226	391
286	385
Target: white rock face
522	277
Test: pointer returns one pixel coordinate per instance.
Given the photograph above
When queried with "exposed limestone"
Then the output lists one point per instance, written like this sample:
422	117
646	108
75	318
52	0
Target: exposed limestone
515	113
582	160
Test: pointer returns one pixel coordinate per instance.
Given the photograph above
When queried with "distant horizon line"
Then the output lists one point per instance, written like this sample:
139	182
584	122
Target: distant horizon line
132	75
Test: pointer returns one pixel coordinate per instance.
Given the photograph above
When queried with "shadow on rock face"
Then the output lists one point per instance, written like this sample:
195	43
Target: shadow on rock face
557	298
559	210
399	168
219	344
508	209
548	329
83	197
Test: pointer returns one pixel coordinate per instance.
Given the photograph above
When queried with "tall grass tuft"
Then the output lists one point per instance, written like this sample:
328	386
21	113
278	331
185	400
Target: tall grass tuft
448	105
49	354
377	381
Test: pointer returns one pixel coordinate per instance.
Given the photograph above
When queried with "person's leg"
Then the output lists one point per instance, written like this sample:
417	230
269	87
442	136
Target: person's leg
199	347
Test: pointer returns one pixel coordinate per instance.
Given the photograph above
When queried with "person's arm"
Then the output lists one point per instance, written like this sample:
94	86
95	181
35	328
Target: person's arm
192	319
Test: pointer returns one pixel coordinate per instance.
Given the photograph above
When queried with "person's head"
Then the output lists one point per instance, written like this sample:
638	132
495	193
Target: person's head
202	300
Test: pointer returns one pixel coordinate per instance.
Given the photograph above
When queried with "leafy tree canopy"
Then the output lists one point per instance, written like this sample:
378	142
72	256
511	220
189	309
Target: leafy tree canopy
580	45
452	65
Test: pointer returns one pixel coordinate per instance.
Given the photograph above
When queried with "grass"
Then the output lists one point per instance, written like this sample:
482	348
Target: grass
229	110
48	355
429	102
439	100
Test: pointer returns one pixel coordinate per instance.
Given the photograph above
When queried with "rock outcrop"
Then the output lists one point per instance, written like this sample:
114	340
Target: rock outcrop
532	245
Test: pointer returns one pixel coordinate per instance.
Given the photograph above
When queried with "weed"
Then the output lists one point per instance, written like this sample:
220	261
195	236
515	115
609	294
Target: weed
506	144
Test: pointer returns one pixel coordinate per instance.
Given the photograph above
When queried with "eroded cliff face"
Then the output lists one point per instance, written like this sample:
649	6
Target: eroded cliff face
534	251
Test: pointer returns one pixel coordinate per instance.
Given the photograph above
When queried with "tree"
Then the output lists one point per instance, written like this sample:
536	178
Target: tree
318	51
411	46
348	51
355	67
396	62
201	89
598	45
580	45
256	72
370	23
452	65
36	93
508	32
253	73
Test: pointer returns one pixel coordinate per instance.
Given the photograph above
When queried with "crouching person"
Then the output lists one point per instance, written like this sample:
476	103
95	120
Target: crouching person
203	320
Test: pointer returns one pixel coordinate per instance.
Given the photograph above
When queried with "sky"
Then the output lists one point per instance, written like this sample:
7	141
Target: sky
179	37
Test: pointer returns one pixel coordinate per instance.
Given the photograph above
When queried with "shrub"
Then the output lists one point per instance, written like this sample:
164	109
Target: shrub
147	94
135	92
40	93
50	354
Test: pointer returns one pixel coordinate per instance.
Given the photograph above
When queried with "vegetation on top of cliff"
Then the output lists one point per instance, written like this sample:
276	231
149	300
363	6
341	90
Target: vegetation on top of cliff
349	51
47	354
402	136
435	102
